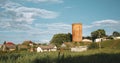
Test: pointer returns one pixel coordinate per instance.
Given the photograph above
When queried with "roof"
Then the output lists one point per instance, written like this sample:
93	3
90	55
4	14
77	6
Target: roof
11	46
47	46
87	40
69	44
9	43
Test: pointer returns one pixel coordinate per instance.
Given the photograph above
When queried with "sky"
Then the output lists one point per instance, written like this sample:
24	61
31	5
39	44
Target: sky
39	20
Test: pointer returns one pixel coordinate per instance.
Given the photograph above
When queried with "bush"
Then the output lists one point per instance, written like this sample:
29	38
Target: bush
93	46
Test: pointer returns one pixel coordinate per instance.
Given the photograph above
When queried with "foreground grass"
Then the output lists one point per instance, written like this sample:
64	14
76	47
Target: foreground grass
90	56
110	53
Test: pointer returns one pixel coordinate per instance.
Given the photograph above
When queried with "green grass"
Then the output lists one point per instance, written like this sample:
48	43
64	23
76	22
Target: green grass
90	56
114	44
107	54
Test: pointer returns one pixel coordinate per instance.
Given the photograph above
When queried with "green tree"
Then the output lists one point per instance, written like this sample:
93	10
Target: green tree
58	39
27	42
98	34
116	34
87	37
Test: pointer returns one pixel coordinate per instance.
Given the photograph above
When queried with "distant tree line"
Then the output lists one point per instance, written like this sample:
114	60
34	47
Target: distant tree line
116	34
58	39
98	34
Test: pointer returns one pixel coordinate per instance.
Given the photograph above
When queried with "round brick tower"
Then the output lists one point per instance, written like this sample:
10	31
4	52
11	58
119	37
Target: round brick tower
76	32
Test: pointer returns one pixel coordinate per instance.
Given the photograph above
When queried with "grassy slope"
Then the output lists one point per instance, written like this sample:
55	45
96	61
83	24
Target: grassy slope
111	44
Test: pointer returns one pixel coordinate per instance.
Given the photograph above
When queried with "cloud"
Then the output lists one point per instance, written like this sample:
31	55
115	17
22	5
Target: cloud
53	28
38	29
103	23
23	11
68	7
46	1
18	21
17	17
106	22
109	25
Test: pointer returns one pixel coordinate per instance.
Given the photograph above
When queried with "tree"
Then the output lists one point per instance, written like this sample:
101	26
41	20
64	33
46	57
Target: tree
87	37
116	34
27	42
98	34
58	39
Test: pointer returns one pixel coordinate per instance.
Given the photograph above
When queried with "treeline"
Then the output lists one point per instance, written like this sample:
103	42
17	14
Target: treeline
58	39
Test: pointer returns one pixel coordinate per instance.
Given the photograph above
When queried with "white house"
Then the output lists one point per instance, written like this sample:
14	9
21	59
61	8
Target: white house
86	40
79	49
46	48
98	40
53	49
39	49
63	45
116	38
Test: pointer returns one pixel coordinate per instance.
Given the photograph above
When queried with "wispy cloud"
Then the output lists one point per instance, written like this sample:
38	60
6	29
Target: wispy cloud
54	28
103	23
109	25
47	1
22	11
68	7
17	17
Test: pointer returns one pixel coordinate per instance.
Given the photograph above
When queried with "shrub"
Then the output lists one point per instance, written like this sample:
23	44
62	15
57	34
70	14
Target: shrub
93	46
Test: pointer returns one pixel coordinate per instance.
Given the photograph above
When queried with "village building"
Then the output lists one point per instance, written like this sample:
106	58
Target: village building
22	47
49	48
115	38
9	46
79	49
86	40
1	47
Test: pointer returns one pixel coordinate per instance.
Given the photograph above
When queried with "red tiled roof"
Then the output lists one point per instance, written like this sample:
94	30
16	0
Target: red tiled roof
9	43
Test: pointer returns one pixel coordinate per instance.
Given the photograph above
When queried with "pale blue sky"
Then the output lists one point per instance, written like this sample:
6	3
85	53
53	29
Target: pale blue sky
39	20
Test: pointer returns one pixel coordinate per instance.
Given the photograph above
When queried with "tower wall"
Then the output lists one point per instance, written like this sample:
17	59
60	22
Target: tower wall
76	32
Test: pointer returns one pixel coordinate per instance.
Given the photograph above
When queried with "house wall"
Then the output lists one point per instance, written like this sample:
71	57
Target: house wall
0	46
79	49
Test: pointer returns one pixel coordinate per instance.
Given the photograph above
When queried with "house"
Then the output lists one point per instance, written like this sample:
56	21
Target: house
86	40
67	44
115	38
79	49
0	45
63	45
46	48
22	47
10	46
39	49
98	40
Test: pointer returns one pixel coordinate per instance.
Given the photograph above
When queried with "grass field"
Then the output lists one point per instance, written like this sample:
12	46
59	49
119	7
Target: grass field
110	53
